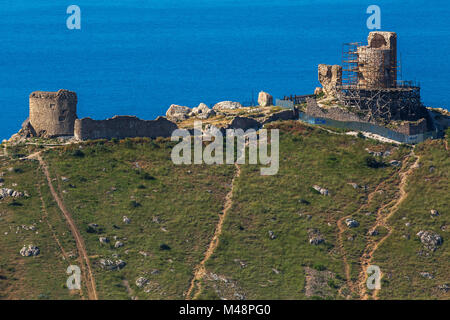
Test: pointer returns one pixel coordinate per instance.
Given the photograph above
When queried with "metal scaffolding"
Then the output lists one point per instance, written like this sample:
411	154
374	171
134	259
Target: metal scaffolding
369	84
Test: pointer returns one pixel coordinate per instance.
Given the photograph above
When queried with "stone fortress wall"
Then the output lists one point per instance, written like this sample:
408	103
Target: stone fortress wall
54	114
122	127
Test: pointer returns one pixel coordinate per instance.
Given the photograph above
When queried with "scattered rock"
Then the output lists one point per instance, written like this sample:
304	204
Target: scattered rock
265	99
5	192
141	281
272	235
206	115
434	213
373	233
227	105
64	179
430	239
395	163
351	223
118	244
444	287
354	185
29	251
241	263
321	190
315	237
126	220
108	264
144	253
156	219
92	228
103	240
426	275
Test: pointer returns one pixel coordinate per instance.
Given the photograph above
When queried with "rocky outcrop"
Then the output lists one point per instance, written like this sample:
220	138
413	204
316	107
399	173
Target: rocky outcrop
315	237
5	192
265	99
108	264
351	223
30	251
227	105
330	76
141	281
178	113
203	112
123	127
202	108
321	190
431	240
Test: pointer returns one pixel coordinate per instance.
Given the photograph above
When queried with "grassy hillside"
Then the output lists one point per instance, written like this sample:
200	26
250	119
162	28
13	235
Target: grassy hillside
263	251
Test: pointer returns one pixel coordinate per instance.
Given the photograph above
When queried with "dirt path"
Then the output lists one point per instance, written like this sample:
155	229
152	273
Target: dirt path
342	228
55	237
85	263
344	254
381	220
200	270
129	289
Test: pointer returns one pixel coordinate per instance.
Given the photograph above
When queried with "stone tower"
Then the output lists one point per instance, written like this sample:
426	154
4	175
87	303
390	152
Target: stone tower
377	62
53	114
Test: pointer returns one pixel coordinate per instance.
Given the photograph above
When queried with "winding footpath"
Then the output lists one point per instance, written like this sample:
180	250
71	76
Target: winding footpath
82	253
200	270
381	221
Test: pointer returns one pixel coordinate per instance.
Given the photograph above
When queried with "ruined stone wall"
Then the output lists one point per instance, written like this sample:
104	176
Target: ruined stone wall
334	113
53	113
123	127
412	128
330	77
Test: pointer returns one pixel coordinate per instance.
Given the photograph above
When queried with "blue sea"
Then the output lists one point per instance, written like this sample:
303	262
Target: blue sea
138	57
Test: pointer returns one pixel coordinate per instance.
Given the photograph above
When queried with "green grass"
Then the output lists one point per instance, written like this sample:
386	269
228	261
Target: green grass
174	211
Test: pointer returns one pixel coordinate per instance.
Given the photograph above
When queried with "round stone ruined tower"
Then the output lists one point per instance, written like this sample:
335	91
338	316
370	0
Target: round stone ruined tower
53	114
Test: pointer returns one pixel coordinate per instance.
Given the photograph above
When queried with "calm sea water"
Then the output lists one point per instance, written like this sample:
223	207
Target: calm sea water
138	57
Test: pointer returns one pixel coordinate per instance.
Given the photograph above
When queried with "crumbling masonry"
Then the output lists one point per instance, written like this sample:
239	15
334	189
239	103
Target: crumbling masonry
54	114
369	84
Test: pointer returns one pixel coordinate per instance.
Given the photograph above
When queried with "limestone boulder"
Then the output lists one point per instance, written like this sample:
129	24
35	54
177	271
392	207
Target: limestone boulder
30	251
203	111
178	113
265	99
431	240
351	223
202	108
227	105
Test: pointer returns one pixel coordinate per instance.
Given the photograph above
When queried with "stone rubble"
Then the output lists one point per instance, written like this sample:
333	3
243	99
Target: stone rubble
29	251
